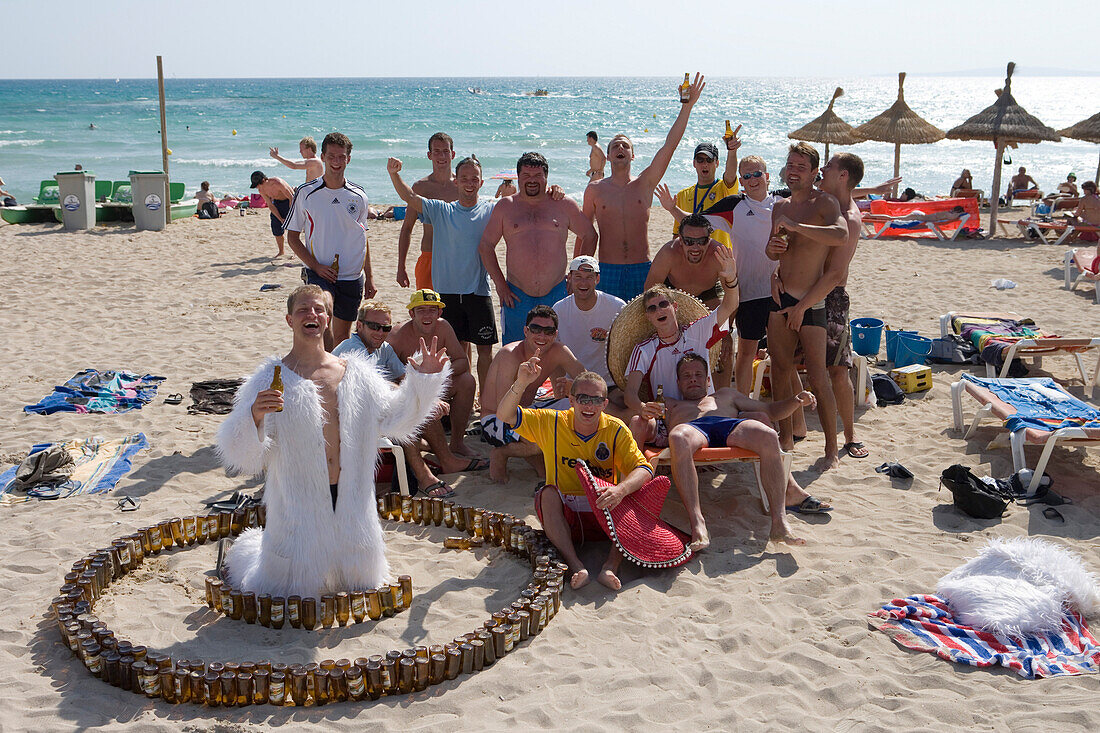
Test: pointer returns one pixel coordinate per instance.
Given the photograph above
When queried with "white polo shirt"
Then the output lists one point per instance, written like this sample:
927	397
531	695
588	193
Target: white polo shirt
332	221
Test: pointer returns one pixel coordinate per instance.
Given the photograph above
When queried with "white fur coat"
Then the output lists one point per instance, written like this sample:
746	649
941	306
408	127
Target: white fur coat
307	548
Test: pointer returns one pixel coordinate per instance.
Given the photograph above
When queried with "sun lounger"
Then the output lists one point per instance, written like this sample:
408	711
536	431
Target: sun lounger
1036	348
1024	194
1030	420
1086	260
1046	229
875	226
877	222
713	456
763	369
385	443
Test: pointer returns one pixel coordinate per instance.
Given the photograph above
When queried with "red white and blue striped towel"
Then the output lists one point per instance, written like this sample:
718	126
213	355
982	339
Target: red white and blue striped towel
924	623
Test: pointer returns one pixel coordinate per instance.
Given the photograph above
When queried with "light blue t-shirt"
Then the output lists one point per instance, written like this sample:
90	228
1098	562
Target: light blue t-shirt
388	361
456	232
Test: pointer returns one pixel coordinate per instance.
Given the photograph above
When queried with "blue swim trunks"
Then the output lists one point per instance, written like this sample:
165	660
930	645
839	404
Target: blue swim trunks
715	428
623	281
514	319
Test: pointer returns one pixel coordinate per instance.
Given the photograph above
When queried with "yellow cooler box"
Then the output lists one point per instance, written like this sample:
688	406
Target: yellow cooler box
913	378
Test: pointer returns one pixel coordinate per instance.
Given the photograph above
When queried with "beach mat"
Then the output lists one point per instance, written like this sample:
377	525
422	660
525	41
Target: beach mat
99	464
924	623
94	391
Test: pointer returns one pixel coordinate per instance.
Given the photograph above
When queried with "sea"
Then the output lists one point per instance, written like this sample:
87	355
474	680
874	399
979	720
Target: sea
220	130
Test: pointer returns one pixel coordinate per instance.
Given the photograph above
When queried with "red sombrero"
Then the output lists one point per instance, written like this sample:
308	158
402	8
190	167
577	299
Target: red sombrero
635	525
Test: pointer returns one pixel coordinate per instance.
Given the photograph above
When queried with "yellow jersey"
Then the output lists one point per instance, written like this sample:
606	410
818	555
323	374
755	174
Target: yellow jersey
697	199
610	452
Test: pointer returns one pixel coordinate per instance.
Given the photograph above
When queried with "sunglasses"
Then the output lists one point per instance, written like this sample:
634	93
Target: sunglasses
536	328
704	159
589	399
652	307
695	241
754	174
375	326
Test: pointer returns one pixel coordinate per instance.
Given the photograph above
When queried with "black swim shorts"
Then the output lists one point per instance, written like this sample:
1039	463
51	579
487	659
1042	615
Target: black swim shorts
752	318
814	316
346	294
471	316
283	207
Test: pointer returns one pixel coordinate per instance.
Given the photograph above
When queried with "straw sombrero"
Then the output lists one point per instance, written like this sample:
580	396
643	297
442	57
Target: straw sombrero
635	524
631	327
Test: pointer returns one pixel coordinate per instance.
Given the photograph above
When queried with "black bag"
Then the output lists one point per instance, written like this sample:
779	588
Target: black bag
972	495
209	210
887	390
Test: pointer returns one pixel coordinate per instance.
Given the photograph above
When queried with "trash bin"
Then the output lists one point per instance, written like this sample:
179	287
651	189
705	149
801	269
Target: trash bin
148	190
76	194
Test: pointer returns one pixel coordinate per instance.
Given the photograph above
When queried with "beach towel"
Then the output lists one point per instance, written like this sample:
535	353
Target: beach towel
924	623
1040	404
95	391
932	206
992	337
99	464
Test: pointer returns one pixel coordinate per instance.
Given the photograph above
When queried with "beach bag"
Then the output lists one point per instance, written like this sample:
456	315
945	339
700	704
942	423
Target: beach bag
48	467
209	210
952	350
214	397
887	391
971	495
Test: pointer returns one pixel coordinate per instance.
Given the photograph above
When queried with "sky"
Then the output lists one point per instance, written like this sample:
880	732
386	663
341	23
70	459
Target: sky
280	38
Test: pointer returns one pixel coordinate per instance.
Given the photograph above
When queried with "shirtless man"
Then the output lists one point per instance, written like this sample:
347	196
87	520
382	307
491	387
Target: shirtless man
425	322
804	227
620	205
596	159
688	262
535	228
727	418
1088	211
276	194
310	163
1019	183
841	175
556	362
439	184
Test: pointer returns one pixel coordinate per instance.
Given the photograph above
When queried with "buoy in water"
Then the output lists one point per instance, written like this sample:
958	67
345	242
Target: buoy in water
169	151
234	132
646	130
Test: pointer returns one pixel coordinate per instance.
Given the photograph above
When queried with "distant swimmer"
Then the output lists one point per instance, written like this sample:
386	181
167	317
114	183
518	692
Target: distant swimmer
619	205
91	126
596	158
276	194
440	185
507	187
310	163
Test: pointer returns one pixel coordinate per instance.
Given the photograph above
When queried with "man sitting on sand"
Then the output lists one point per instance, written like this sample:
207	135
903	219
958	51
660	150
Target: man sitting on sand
729	419
582	432
425	323
277	194
556	362
310	163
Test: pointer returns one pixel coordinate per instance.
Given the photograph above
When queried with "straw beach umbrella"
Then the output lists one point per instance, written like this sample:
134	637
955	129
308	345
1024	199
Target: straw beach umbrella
828	129
1087	130
901	126
1002	122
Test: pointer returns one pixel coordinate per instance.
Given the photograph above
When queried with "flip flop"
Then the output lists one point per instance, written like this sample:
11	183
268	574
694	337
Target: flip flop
173	399
810	505
45	492
855	449
477	464
1054	515
434	488
128	504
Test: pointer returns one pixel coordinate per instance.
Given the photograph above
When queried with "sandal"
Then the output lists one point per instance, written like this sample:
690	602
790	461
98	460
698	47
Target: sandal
1054	515
173	399
128	504
477	464
810	505
855	449
434	491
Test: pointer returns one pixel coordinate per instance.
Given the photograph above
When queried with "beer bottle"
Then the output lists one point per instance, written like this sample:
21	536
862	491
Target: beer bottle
336	265
343	608
728	134
277	381
309	613
406	584
685	89
328	610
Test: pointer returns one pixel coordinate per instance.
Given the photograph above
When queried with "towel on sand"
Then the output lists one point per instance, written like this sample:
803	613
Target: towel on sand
95	391
924	623
99	465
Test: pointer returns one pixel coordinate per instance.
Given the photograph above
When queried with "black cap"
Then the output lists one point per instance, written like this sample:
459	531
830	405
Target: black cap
709	148
258	177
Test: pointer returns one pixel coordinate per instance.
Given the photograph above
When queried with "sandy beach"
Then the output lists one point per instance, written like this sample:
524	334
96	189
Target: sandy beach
747	636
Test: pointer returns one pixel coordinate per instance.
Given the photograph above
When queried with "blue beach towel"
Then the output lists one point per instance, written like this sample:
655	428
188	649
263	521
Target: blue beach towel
1040	404
99	466
95	391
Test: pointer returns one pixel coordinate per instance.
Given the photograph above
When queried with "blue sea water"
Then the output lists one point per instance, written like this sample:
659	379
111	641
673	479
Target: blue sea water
44	125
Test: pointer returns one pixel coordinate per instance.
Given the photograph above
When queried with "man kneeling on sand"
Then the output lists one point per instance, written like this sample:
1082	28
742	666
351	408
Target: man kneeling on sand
727	418
583	432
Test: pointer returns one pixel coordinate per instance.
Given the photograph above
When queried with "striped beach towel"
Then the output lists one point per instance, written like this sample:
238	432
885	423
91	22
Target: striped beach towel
924	623
99	466
1040	403
95	391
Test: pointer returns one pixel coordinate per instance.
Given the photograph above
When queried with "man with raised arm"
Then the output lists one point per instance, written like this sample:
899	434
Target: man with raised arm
619	205
310	163
328	220
804	228
440	185
535	228
710	189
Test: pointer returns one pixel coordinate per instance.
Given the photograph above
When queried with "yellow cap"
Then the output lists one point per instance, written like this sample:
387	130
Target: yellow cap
425	297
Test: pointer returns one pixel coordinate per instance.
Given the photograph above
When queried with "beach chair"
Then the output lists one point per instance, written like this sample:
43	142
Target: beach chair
386	444
876	225
716	456
1086	260
763	369
1046	229
969	193
1034	348
1022	406
1023	195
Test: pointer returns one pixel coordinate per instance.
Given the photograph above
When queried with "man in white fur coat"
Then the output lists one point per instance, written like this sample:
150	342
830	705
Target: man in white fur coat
317	443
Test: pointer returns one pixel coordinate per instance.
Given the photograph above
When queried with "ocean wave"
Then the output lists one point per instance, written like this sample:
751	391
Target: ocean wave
392	140
12	132
226	162
20	143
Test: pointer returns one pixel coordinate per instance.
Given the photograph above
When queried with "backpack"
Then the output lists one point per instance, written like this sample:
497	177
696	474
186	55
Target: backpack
209	210
887	390
973	496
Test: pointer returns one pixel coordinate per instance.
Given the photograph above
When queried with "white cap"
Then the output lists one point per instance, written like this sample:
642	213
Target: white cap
579	262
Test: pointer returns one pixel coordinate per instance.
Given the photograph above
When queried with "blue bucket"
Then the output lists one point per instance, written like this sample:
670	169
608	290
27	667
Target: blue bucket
912	349
867	336
892	342
398	213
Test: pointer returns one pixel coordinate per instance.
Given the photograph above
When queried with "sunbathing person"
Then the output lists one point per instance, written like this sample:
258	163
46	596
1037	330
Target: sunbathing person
1021	183
727	418
1088	212
964	182
936	217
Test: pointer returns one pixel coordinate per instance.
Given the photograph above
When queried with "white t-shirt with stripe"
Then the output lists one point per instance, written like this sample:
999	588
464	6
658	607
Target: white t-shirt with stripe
332	221
657	361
